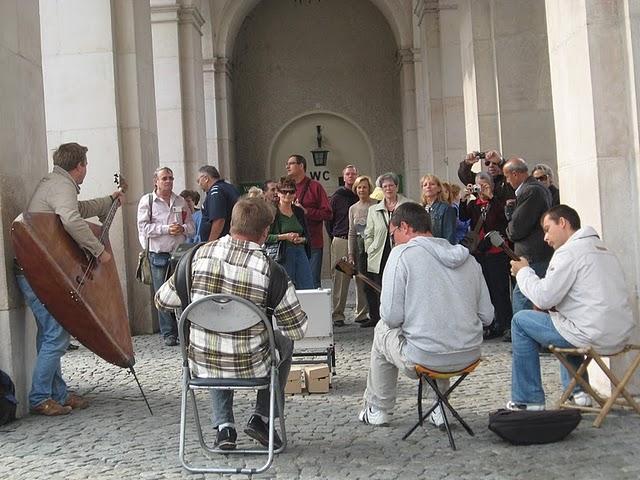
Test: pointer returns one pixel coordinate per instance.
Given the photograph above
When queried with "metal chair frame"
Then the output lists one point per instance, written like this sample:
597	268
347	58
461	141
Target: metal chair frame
226	314
605	404
442	399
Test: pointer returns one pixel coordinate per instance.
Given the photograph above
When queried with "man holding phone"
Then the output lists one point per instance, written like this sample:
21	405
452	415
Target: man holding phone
493	162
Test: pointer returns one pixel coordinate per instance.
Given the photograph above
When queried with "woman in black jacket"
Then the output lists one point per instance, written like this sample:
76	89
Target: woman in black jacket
488	210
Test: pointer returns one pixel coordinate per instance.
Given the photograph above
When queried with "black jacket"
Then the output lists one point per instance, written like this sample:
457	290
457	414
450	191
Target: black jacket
524	228
340	202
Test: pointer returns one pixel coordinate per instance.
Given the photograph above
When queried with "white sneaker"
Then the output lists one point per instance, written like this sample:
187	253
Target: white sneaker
581	399
436	418
532	407
373	416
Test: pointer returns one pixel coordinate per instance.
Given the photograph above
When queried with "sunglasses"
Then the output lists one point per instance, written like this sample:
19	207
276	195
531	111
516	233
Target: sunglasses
489	162
542	178
287	192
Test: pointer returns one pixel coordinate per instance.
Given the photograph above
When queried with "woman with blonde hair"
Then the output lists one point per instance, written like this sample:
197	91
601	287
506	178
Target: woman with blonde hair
357	254
443	215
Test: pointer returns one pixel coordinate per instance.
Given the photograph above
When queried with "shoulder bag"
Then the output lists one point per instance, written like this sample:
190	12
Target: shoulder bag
143	270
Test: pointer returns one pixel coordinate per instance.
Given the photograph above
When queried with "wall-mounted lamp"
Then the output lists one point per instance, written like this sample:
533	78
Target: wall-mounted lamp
319	155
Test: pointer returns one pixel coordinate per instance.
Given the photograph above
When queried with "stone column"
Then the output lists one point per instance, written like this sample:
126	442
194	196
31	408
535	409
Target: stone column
594	51
177	56
406	58
99	91
507	85
23	161
442	144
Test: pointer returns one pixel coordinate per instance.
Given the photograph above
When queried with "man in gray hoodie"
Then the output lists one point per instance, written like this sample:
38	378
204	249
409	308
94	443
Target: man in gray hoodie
433	305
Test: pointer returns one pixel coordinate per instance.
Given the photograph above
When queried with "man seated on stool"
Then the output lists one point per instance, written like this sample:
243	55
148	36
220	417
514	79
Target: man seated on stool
586	297
433	305
235	264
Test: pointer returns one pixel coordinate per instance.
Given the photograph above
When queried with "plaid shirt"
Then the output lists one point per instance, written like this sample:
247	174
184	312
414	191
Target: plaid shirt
239	268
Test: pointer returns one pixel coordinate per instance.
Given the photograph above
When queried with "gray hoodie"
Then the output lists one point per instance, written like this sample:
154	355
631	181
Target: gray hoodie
436	294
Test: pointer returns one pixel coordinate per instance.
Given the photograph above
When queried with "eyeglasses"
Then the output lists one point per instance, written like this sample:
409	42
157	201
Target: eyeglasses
392	232
542	178
489	162
287	192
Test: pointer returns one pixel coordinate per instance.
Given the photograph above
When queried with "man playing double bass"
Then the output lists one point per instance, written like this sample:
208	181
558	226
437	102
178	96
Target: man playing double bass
57	193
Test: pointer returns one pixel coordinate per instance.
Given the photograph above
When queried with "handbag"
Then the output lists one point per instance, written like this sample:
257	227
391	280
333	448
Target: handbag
276	251
523	427
143	269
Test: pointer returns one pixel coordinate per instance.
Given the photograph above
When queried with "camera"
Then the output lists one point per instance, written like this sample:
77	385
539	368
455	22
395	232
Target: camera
476	189
480	155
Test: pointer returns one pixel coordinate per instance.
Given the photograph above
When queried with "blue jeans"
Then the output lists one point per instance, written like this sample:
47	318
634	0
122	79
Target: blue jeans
531	330
316	266
52	341
518	300
298	268
159	266
222	400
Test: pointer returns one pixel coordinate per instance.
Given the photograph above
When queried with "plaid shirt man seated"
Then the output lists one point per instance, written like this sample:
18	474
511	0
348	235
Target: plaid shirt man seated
235	264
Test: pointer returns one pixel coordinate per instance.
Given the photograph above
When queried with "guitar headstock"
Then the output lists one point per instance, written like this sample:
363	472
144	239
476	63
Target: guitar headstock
120	182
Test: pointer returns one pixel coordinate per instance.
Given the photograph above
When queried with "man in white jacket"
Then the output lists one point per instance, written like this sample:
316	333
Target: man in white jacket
586	297
424	317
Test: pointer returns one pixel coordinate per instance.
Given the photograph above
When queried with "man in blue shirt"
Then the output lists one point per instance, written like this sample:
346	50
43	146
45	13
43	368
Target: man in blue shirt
220	197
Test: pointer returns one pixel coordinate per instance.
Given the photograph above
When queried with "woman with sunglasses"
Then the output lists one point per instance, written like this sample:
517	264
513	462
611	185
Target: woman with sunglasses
443	215
489	209
543	173
377	239
289	226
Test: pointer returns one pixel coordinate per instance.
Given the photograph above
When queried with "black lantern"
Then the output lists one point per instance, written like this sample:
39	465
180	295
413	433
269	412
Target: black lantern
319	155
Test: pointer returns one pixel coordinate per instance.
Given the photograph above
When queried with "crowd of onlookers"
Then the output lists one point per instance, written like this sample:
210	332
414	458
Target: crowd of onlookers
356	217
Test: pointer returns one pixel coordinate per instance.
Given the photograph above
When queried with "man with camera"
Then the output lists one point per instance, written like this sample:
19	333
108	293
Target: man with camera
494	163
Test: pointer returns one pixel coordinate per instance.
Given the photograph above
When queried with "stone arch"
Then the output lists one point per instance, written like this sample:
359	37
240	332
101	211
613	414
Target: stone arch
396	12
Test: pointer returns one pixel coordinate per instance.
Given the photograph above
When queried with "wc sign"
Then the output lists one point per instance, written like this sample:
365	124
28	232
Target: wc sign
320	175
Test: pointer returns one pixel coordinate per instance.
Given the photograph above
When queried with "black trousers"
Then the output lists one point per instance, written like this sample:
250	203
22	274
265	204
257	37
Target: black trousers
373	297
496	271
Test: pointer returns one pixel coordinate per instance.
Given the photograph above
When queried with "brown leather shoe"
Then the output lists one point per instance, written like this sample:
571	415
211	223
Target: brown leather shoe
76	402
50	408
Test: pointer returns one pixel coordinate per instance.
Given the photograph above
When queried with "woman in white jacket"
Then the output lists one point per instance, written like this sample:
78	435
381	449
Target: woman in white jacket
377	241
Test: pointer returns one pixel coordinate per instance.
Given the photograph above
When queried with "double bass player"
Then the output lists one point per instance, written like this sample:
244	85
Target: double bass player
57	193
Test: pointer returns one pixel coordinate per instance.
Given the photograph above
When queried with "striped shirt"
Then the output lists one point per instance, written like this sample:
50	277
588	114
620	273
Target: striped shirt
240	268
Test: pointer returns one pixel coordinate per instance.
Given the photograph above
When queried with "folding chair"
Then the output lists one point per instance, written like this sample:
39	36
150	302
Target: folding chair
227	314
619	385
442	399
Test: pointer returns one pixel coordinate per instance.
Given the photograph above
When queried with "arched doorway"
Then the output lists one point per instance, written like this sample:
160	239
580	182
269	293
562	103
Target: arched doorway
346	142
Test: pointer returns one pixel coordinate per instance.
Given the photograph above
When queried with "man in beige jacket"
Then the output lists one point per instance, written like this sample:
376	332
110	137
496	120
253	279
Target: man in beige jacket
57	193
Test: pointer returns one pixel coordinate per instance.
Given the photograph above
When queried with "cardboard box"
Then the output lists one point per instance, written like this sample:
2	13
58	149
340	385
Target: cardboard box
317	379
294	381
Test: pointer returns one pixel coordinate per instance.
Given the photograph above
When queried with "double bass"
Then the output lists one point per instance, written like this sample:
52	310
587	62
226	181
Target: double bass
82	294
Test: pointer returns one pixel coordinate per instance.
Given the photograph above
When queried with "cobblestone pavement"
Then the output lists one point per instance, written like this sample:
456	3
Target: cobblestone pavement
117	438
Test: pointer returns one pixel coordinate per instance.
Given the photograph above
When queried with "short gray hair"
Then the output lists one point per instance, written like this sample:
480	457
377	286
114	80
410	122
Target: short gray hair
210	170
486	177
387	176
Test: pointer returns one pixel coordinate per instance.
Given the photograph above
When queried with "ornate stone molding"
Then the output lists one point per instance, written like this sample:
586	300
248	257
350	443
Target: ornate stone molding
432	6
179	14
221	65
407	56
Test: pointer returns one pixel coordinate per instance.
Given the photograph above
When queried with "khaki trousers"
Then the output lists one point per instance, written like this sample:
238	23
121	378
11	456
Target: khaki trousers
340	249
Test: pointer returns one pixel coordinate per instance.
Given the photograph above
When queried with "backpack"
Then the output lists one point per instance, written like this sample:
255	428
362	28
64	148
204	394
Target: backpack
278	281
8	402
522	427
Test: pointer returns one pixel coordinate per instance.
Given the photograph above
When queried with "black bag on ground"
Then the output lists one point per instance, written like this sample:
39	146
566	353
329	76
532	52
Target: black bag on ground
8	400
524	427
